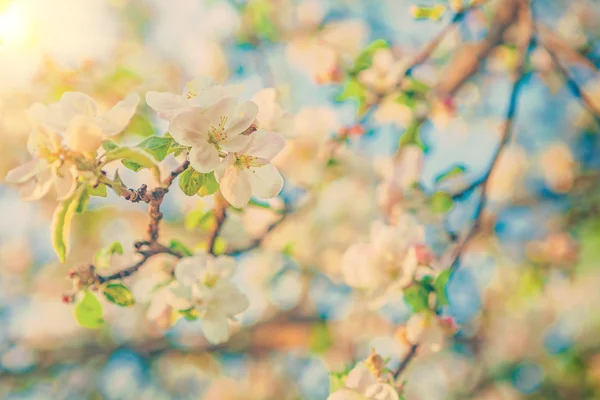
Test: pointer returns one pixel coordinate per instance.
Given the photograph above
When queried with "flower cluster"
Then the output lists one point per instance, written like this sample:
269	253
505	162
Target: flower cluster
223	137
202	289
63	141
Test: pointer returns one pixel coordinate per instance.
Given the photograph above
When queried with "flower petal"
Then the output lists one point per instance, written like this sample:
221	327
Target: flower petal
59	114
236	143
65	181
118	117
35	189
227	162
265	145
235	187
195	86
215	327
360	378
381	391
188	269
204	158
232	300
190	128
345	394
167	105
225	265
223	108
266	181
243	117
25	171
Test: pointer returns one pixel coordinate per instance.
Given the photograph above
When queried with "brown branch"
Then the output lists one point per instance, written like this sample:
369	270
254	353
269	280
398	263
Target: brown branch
560	46
258	241
468	60
406	360
220	214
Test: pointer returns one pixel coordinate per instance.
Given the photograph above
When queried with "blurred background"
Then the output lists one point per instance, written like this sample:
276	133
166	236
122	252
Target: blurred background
525	296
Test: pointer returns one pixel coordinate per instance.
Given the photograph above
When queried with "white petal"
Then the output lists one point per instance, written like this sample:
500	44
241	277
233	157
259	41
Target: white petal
35	189
179	297
158	306
223	108
225	265
204	158
24	172
58	115
235	187
266	181
236	143
190	128
84	134
65	181
234	301
227	162
197	85
215	327
360	378
188	269
358	268
265	145
167	105
242	118
346	394
118	117
381	391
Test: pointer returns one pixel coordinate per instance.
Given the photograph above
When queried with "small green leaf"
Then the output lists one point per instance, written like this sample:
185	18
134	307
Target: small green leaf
407	99
133	155
99	190
210	185
117	183
320	338
83	201
191	181
61	223
190	314
180	248
158	147
104	255
433	13
140	125
336	382
416	86
452	172
199	219
365	58
118	294
220	246
412	135
132	165
353	89
441	202
88	312
440	288
417	297
109	145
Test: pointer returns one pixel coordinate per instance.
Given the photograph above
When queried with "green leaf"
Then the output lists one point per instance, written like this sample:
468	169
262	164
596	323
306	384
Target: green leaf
104	255
109	145
220	246
190	314
365	58
140	125
210	185
433	13
99	190
416	86
407	99
440	288
320	338
180	248
353	89
417	297
158	147
190	181
199	219
441	202
132	155
84	200
61	223
135	167
452	172
88	312
336	382
412	135
117	183
118	294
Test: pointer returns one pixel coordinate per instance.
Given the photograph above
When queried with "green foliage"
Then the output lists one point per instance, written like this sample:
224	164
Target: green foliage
210	185
117	183
88	312
353	89
417	297
412	135
433	13
180	248
457	170
440	288
159	147
118	294
441	202
220	246
84	200
191	314
365	58
61	223
140	125
132	159
199	219
320	338
109	145
336	381
104	255
190	181
99	190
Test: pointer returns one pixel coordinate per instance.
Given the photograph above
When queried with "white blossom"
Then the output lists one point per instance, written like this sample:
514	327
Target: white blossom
362	384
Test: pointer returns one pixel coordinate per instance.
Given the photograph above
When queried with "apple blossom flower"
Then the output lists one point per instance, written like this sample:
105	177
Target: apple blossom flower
49	166
250	172
384	73
199	93
202	283
218	128
362	384
76	116
387	261
271	116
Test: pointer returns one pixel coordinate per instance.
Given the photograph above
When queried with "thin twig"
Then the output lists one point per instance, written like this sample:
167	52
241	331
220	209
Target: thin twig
406	360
